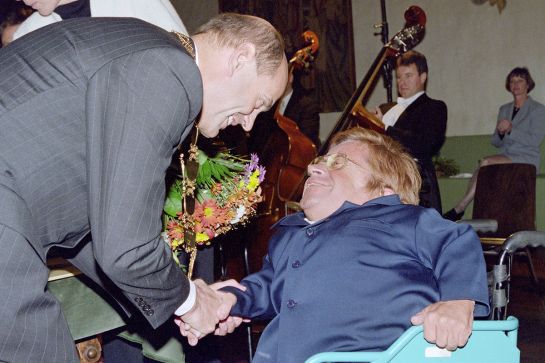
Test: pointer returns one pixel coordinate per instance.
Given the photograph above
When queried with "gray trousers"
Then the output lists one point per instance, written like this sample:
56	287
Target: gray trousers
32	327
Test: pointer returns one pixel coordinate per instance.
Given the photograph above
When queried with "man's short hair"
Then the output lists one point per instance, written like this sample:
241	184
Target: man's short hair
413	57
232	30
521	72
391	166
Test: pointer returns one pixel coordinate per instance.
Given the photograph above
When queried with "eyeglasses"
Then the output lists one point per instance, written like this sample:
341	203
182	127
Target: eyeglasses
334	161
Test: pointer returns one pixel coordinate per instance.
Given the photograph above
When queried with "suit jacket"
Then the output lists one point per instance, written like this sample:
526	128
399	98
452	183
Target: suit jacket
522	144
91	111
421	129
353	280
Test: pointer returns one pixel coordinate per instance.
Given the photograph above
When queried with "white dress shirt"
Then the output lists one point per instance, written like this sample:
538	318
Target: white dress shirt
390	118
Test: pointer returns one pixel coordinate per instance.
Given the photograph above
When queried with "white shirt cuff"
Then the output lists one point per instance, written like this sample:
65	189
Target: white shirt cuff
189	301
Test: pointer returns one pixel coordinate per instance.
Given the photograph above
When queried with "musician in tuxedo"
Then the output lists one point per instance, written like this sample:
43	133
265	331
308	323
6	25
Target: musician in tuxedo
418	122
363	261
91	111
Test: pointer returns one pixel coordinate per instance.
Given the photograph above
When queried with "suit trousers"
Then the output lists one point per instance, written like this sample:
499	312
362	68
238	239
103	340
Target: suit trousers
33	328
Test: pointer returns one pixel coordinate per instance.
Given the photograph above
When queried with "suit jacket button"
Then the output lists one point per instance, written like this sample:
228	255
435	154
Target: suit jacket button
149	312
296	264
291	303
141	304
138	299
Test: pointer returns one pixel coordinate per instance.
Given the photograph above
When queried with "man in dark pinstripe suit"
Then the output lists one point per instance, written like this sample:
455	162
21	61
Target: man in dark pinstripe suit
91	111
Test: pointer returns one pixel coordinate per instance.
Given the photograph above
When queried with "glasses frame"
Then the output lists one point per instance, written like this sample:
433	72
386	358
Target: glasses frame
330	159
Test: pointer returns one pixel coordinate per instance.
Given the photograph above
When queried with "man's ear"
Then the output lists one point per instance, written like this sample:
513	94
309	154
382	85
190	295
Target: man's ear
242	55
387	191
423	77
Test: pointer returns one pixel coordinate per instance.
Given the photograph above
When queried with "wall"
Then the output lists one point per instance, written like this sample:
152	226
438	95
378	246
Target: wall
470	49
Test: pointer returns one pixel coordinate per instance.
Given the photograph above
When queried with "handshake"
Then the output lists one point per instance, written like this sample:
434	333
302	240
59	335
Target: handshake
210	313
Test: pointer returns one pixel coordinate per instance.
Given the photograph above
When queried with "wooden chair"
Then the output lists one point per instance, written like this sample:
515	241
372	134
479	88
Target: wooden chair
506	193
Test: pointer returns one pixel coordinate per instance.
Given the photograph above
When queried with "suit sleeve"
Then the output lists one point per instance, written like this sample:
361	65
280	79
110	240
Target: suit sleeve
454	253
256	301
496	140
137	108
427	132
531	131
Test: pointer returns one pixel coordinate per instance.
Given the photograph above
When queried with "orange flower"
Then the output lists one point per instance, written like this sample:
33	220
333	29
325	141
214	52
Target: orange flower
208	212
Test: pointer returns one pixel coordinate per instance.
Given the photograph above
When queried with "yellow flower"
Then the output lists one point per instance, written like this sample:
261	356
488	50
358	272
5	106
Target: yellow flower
201	237
254	181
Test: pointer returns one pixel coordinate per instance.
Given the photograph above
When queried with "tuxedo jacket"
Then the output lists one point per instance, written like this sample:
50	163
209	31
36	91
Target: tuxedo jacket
91	111
302	108
421	129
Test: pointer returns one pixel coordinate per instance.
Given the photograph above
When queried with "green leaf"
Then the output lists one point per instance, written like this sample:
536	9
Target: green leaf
173	202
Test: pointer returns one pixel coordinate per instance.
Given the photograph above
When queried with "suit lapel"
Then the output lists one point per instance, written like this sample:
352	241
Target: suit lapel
521	115
409	110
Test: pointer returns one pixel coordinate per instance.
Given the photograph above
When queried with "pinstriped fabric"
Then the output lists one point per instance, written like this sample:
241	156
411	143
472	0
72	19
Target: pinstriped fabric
91	111
25	307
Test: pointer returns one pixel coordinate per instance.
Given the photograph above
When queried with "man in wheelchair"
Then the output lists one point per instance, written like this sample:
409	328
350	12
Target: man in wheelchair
363	262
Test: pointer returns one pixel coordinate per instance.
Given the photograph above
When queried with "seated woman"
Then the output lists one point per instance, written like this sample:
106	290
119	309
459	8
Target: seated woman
518	134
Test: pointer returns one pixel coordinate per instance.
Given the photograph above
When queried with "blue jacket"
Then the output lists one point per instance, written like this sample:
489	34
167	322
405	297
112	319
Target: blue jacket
353	280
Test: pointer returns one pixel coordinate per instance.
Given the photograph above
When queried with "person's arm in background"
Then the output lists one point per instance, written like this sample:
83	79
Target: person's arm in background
157	12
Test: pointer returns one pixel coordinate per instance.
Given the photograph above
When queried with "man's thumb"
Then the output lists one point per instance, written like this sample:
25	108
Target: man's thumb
417	319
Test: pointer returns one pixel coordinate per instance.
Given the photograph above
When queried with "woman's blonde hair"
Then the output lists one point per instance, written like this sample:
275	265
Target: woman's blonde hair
232	30
391	166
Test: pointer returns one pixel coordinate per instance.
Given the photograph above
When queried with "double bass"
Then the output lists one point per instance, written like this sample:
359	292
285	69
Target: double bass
286	159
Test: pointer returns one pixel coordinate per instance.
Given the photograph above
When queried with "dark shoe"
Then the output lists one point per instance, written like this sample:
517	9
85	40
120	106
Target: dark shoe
451	215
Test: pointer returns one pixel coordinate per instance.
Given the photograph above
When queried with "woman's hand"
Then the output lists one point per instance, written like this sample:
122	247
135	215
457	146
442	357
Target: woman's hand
504	126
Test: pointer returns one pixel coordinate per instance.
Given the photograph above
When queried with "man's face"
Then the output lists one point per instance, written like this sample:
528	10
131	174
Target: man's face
239	97
328	188
409	82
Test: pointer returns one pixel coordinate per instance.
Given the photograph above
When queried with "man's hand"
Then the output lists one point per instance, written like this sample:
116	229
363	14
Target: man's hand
378	113
229	324
203	317
448	324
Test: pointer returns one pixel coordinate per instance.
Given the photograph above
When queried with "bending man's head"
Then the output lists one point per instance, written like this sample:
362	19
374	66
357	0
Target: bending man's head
360	165
243	67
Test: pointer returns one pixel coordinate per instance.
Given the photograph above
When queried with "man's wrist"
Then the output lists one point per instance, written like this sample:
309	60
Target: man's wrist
189	301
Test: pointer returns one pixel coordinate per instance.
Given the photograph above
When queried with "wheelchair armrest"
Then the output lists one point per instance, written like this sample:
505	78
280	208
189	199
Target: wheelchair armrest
481	225
523	239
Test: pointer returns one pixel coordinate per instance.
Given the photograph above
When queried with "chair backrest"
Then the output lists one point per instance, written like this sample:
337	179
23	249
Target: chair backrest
506	193
491	341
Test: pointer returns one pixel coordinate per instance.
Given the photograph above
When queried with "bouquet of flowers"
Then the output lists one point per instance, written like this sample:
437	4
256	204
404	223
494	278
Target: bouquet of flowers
223	194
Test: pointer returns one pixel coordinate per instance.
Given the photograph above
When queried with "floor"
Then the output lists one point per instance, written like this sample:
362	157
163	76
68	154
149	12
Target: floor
527	303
